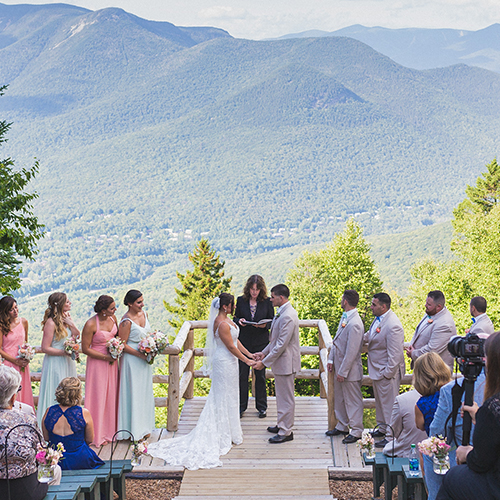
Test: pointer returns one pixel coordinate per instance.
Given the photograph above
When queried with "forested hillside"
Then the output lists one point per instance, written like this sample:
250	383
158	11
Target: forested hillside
150	136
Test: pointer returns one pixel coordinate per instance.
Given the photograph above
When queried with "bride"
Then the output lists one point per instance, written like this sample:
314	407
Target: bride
219	423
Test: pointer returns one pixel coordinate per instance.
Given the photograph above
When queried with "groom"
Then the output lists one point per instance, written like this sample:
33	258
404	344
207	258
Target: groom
282	354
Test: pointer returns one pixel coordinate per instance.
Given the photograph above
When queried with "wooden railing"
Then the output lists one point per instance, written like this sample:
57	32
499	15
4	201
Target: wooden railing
181	375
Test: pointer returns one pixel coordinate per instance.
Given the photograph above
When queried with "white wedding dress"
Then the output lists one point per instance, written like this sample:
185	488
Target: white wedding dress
219	423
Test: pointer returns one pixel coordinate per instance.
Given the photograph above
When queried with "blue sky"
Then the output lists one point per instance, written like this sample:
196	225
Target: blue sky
257	19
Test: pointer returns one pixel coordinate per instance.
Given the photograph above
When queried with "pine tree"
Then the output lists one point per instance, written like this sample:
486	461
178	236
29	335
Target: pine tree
19	228
199	286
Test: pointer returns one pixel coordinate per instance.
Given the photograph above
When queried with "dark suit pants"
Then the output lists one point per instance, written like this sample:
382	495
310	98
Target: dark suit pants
462	483
260	385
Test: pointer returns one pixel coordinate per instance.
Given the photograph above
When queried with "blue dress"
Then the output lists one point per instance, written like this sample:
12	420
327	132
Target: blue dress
428	406
54	369
136	405
78	454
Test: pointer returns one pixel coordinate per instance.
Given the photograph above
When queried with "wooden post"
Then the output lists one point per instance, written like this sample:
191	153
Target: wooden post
173	393
189	344
322	367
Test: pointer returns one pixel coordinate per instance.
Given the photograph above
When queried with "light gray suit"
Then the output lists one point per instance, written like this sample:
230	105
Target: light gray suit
282	354
385	363
345	355
432	335
403	423
483	324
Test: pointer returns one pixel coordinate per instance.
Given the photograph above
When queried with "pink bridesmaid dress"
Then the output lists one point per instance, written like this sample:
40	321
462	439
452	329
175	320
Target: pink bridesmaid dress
11	343
101	388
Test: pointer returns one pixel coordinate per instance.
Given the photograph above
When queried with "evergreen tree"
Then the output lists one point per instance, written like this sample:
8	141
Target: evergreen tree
19	228
199	286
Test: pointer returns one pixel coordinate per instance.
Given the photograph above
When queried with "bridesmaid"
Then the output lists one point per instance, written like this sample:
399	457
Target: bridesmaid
56	363
136	407
101	379
13	333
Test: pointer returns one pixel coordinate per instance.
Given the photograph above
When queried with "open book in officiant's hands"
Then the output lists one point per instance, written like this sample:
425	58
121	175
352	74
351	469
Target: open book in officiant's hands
261	322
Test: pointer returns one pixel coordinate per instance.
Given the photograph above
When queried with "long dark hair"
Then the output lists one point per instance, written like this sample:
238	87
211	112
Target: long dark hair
255	279
131	297
6	304
492	349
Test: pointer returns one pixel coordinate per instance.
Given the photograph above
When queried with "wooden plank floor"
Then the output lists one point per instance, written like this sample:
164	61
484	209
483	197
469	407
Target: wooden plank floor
300	467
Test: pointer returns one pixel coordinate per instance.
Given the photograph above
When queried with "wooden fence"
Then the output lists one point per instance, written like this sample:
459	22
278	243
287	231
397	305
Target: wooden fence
181	356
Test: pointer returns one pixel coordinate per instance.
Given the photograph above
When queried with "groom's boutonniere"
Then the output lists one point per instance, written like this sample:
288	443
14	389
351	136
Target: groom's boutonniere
378	329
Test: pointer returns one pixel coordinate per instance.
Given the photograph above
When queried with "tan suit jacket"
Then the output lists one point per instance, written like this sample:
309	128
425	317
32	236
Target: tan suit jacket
385	349
434	337
283	352
346	349
483	324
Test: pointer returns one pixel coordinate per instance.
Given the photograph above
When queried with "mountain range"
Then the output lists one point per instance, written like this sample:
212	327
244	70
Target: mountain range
421	48
150	136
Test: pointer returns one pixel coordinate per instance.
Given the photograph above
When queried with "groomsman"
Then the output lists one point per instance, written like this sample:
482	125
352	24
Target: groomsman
481	323
385	339
434	330
345	356
282	354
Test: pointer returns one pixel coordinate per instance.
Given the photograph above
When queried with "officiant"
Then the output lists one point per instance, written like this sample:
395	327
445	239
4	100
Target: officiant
255	307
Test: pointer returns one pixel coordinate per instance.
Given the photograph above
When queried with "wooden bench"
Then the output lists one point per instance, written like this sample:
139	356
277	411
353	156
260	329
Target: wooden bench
378	463
392	473
66	492
411	485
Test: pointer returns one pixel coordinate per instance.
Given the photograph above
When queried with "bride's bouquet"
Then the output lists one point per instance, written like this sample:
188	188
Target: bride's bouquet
115	347
25	351
72	348
152	344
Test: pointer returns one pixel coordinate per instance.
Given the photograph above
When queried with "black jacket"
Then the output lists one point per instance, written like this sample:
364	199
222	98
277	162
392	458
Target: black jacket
250	336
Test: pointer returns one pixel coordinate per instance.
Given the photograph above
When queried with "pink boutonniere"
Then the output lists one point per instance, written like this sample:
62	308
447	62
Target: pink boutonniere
378	329
467	330
430	320
343	325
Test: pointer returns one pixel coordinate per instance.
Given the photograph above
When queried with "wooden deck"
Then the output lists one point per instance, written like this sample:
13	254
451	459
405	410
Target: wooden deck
300	467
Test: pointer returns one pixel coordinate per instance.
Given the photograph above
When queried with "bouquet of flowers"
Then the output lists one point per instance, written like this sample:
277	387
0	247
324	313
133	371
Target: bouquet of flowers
139	448
25	351
47	459
434	445
115	347
152	344
161	340
367	444
72	348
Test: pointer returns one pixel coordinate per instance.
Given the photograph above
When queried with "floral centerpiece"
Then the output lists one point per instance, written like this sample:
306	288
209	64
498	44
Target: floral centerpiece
25	351
436	447
139	448
367	444
72	348
152	344
115	347
47	459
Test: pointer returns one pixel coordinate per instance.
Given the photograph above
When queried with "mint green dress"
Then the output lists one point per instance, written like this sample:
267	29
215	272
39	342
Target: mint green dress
54	369
136	406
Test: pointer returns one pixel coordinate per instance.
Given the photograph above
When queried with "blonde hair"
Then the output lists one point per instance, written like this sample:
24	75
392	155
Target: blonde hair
56	302
430	373
69	392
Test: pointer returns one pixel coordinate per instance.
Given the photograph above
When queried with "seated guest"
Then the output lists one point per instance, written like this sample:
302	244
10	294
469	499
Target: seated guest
478	476
22	444
403	422
71	425
442	426
429	375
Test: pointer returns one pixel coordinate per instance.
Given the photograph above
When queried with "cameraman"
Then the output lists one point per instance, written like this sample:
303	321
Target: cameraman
479	476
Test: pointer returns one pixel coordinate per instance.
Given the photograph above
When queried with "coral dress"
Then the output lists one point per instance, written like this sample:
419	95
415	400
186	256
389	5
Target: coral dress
136	405
78	454
101	388
54	369
11	342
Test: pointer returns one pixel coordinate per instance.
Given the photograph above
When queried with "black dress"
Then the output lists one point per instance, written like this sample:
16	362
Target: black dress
255	340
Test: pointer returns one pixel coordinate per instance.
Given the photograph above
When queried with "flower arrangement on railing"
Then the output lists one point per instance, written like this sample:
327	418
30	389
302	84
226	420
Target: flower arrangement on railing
47	458
436	447
25	351
139	448
72	348
367	444
152	344
115	347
